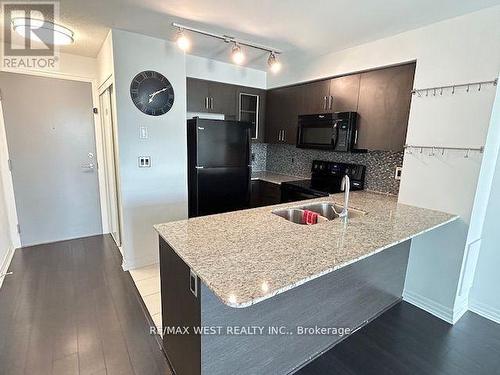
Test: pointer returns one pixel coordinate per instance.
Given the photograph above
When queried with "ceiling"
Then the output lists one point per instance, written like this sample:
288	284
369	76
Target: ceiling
298	27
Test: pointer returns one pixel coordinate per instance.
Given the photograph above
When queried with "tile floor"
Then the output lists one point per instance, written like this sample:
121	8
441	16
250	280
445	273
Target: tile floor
147	281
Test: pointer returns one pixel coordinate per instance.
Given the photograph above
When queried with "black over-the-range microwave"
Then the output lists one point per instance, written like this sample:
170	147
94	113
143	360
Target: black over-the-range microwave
329	131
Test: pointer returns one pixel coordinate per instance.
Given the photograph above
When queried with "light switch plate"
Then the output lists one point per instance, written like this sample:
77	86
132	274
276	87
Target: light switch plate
399	171
143	132
144	161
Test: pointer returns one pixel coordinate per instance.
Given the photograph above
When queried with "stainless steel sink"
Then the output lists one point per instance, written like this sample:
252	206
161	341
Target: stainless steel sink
326	209
331	210
294	215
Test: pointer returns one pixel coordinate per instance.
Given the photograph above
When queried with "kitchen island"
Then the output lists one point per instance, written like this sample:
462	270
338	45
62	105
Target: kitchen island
252	268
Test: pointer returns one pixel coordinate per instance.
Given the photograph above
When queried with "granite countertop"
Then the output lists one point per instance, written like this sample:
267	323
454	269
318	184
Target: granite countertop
248	256
275	178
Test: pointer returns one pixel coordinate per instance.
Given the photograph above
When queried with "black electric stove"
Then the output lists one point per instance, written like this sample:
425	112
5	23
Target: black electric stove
326	178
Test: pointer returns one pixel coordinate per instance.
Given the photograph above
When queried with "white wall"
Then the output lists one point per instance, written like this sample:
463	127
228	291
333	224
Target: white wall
203	68
462	49
6	246
484	297
105	67
9	238
157	194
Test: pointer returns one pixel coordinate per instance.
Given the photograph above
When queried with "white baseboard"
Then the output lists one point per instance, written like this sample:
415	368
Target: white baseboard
4	266
485	311
130	264
441	311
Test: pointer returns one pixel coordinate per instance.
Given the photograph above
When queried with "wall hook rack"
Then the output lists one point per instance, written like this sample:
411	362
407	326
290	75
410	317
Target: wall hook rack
468	87
432	149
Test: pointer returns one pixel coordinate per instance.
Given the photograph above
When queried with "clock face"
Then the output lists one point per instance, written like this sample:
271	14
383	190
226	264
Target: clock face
152	93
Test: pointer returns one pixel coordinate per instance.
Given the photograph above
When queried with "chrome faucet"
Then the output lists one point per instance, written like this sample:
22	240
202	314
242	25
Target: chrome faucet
346	188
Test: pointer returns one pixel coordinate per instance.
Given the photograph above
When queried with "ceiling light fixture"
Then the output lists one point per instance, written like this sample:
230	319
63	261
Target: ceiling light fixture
237	54
43	31
182	40
274	64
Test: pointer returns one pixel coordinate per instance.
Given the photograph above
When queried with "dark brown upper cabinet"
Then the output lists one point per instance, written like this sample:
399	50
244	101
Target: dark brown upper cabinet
283	107
331	95
234	102
384	107
222	99
211	97
343	95
197	95
251	107
316	97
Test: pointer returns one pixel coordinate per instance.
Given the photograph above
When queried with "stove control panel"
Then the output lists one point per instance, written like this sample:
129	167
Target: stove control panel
322	168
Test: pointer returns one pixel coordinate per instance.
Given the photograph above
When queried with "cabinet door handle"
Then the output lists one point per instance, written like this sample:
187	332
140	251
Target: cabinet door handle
211	103
356	137
324	103
330	104
206	102
279	136
284	136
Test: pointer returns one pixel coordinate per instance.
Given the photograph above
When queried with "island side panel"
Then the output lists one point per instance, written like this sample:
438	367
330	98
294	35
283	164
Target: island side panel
345	298
180	308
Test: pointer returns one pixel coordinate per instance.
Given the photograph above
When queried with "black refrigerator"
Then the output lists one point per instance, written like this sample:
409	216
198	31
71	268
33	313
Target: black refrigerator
219	166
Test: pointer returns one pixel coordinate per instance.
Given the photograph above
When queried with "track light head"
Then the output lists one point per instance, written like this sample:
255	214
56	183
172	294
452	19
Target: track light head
274	64
182	41
237	54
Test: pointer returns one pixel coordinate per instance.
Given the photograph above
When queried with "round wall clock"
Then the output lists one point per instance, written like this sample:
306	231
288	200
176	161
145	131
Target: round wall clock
152	93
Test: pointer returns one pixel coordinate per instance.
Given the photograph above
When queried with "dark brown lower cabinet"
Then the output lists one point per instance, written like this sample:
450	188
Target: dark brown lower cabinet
180	309
345	299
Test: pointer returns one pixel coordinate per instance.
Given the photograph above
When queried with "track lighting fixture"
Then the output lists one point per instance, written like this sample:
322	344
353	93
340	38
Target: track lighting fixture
182	40
274	64
237	54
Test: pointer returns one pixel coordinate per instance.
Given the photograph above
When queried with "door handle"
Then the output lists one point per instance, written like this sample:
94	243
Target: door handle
211	103
279	135
284	136
324	103
330	102
206	102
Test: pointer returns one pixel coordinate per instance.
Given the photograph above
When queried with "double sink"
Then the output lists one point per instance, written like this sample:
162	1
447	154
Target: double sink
328	210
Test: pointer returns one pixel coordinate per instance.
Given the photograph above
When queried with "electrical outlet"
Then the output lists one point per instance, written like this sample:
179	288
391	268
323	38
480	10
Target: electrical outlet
144	161
399	171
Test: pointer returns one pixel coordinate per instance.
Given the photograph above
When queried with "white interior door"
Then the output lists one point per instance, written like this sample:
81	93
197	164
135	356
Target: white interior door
110	153
50	134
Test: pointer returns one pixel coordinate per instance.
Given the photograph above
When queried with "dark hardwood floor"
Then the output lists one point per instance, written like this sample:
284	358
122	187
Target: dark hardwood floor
407	340
70	309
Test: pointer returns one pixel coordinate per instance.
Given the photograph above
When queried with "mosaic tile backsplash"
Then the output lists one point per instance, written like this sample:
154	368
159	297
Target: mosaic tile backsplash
259	156
287	159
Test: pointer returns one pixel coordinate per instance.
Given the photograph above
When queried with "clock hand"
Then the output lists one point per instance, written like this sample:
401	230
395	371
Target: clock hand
151	96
